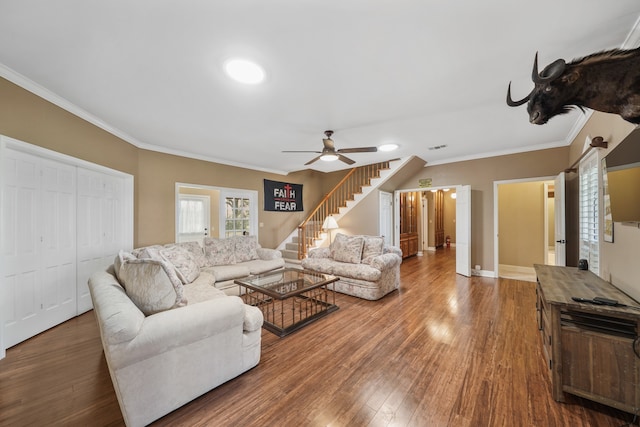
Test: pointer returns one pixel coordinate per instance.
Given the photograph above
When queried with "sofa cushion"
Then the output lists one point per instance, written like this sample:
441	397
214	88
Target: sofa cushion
197	252
347	248
228	272
219	251
360	271
152	285
321	265
184	263
372	247
258	266
202	289
245	248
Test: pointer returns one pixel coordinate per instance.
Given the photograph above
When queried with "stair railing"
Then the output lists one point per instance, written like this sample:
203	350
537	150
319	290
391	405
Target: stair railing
350	185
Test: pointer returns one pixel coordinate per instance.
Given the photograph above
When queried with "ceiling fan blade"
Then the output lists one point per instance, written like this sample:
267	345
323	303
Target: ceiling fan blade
313	160
346	159
300	151
358	150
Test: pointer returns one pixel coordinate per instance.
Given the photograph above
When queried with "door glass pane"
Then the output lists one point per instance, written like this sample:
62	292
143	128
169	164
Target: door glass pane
238	216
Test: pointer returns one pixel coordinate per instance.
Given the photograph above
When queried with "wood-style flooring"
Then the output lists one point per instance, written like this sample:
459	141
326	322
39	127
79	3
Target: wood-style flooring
444	350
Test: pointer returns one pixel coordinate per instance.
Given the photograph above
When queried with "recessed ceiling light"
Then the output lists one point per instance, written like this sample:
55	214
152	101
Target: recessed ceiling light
244	71
388	147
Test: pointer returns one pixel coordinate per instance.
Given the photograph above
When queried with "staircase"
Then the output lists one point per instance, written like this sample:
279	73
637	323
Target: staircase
357	184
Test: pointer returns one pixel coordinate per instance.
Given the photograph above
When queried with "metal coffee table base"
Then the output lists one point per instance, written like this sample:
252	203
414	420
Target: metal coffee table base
287	315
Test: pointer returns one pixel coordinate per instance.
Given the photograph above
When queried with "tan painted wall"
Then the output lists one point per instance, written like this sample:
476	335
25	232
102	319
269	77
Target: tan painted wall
618	260
449	216
29	118
521	225
481	174
551	227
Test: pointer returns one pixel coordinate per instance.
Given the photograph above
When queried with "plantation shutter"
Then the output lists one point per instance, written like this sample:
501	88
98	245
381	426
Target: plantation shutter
589	212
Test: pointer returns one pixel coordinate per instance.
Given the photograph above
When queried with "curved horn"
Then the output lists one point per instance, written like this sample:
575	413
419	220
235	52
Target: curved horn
551	72
511	102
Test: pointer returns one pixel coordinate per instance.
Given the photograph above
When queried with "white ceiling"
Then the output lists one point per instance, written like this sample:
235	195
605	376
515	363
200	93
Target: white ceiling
417	73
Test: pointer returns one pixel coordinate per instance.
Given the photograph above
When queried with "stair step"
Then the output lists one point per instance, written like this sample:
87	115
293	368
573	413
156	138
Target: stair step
287	254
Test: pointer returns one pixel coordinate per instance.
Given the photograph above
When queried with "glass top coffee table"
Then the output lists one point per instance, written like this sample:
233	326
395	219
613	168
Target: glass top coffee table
290	298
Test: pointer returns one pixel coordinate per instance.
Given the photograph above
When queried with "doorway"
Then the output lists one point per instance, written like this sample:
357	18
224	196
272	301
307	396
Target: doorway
230	212
461	220
524	224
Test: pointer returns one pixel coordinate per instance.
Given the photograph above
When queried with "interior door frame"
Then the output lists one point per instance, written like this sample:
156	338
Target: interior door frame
496	220
386	222
396	210
252	195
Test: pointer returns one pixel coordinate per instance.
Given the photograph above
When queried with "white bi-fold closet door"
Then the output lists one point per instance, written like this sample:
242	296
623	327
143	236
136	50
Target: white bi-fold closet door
102	226
61	220
38	244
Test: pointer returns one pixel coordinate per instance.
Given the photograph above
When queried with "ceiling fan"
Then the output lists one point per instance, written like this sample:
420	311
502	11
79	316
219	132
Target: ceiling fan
329	152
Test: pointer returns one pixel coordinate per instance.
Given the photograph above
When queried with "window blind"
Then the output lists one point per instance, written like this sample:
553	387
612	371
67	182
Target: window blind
589	212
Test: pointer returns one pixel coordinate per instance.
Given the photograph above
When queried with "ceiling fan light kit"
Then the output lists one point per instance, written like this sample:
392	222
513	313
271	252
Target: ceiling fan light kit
329	157
388	147
330	154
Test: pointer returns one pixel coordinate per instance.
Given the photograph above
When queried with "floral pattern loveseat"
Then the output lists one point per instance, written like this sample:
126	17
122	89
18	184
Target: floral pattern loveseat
366	266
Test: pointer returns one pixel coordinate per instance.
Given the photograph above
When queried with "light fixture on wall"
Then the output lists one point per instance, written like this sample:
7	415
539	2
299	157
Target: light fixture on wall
329	224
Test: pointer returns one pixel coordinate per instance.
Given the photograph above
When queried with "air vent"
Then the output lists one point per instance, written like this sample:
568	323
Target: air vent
438	147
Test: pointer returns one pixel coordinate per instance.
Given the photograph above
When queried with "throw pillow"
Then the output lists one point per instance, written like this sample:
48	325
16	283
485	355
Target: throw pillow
372	248
119	260
246	248
152	285
347	248
186	267
148	252
219	251
196	251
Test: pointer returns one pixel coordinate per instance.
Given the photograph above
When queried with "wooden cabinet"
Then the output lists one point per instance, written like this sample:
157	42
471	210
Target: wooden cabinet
438	220
409	223
589	348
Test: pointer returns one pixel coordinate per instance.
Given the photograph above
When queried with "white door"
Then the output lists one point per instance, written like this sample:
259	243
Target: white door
58	241
386	217
193	218
463	230
559	206
38	245
238	213
102	226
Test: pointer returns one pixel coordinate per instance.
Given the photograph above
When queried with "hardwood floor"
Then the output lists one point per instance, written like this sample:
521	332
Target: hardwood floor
444	350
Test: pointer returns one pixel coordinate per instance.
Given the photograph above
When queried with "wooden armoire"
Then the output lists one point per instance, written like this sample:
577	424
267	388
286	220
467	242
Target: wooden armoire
409	223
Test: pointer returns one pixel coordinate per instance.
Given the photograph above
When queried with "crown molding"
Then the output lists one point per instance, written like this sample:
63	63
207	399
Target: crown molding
44	93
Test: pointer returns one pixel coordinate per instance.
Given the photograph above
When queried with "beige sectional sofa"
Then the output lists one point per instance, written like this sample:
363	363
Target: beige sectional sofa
366	266
169	332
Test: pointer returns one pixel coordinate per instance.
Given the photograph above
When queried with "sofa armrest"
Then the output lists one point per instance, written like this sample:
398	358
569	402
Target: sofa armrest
385	261
267	253
169	329
253	318
388	249
320	253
